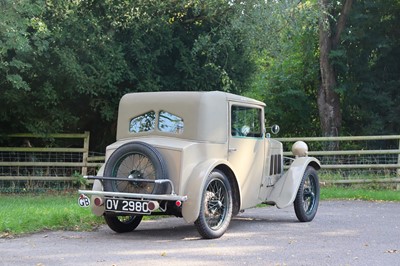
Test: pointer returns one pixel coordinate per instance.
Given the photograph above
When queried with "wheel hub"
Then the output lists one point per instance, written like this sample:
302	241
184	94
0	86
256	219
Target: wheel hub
135	174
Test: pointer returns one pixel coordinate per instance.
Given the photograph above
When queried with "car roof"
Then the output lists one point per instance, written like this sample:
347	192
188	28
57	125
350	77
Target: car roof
205	114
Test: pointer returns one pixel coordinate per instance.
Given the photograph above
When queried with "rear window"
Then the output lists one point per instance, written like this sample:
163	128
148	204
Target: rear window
143	123
171	123
167	122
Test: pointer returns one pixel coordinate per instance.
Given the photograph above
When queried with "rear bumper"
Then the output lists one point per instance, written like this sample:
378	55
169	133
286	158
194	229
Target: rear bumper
98	194
168	197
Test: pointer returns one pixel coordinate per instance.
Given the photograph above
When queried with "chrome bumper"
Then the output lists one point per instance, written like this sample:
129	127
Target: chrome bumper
170	197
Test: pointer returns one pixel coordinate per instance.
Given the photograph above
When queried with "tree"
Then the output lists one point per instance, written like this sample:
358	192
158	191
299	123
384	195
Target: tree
283	36
65	64
330	32
368	68
23	37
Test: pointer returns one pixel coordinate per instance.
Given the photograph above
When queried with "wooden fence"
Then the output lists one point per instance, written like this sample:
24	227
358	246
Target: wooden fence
383	163
22	163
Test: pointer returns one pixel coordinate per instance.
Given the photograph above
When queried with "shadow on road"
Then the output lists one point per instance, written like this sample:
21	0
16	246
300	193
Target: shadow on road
172	228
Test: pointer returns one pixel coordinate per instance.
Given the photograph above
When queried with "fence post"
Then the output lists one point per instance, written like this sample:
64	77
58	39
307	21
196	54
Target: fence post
85	154
398	168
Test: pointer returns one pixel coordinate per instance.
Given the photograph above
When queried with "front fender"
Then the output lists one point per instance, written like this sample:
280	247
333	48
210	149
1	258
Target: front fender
285	189
194	189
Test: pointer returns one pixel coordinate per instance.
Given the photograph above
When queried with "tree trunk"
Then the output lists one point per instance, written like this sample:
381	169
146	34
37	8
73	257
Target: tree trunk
328	99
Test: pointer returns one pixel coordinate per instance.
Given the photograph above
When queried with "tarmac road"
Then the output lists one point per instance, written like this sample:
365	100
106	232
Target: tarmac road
342	233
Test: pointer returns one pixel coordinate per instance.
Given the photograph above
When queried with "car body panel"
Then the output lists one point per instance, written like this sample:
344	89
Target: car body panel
285	189
215	130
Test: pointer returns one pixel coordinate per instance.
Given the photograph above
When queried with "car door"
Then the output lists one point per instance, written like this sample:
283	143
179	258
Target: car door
246	149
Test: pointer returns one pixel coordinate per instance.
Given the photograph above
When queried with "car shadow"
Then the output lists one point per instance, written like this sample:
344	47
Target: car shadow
172	228
160	229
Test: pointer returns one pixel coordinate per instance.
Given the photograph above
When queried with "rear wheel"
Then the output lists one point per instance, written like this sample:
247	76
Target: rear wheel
307	198
132	162
216	206
123	224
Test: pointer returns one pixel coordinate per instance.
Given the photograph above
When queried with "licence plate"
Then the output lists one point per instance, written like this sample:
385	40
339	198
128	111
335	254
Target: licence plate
127	206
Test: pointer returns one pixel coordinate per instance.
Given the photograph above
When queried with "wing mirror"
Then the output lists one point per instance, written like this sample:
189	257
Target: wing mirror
275	129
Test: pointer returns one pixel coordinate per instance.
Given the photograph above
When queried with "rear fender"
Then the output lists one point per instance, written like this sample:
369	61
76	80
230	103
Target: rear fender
97	186
285	189
194	188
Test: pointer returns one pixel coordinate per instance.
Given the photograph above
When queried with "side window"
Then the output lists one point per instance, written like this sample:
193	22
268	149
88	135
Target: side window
143	123
246	122
170	123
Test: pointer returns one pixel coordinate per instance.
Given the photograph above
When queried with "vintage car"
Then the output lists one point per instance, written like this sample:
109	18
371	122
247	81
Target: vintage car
203	156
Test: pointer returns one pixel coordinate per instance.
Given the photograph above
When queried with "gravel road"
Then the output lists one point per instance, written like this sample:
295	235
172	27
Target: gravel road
343	233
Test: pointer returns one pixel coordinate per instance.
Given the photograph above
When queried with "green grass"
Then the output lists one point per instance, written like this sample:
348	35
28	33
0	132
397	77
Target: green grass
22	214
359	194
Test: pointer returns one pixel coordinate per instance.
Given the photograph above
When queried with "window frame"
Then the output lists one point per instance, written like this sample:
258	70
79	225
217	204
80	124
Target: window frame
241	131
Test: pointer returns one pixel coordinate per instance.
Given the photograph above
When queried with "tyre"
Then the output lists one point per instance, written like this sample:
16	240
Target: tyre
135	160
123	224
307	198
216	206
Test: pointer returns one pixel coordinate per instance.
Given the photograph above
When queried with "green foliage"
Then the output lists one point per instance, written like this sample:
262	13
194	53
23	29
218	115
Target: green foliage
65	64
368	68
22	36
283	36
78	180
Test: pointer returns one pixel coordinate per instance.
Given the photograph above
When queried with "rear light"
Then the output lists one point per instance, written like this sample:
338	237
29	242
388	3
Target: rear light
98	201
153	205
178	203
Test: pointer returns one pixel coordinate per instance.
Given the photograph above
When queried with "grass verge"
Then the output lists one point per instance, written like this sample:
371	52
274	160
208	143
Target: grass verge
359	194
22	214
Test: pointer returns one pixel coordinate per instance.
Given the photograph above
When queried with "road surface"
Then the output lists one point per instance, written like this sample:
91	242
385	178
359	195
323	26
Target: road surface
342	233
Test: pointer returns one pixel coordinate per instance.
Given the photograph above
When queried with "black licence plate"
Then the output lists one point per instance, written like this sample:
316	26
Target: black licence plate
127	206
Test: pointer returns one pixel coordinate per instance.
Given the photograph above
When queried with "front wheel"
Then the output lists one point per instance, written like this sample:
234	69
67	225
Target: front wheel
216	206
307	198
123	224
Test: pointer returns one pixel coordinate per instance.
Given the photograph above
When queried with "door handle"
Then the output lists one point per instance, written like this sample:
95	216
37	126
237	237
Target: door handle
232	149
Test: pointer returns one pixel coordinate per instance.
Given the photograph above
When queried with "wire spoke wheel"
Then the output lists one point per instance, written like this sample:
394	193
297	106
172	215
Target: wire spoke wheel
133	162
216	202
307	198
216	209
309	195
134	166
